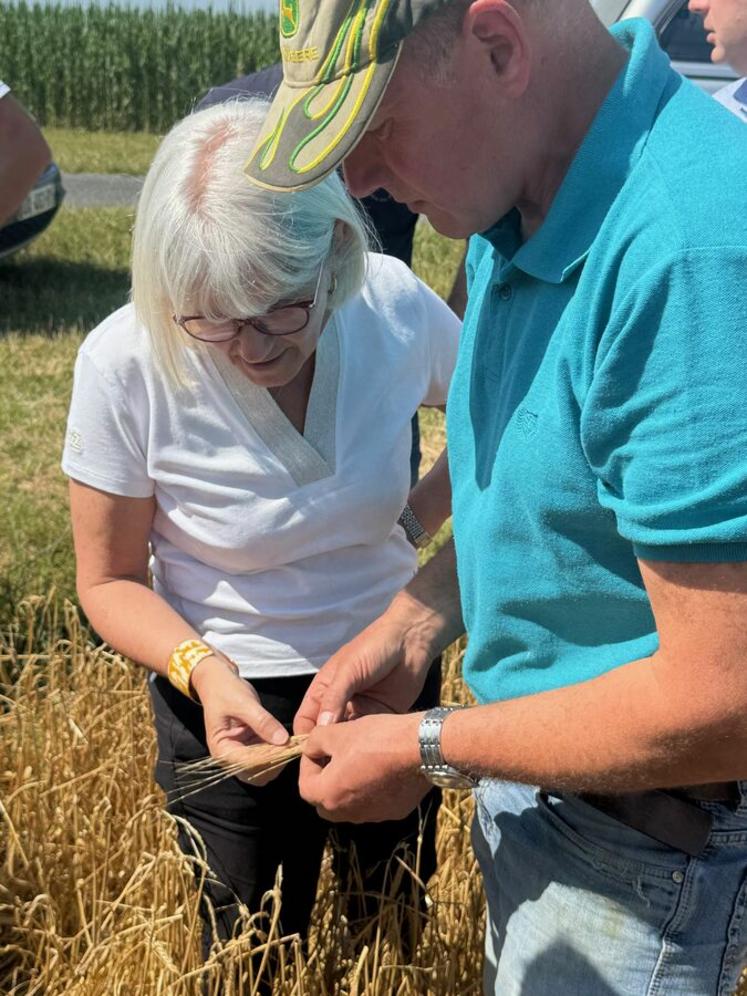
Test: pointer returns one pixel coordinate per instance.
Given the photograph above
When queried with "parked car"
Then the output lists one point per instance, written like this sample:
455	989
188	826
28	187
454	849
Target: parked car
35	213
681	35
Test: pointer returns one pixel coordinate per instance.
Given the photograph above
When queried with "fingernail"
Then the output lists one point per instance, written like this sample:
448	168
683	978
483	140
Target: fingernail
326	718
279	737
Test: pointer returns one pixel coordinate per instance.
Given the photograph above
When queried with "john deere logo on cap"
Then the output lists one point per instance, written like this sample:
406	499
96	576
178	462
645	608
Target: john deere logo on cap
288	18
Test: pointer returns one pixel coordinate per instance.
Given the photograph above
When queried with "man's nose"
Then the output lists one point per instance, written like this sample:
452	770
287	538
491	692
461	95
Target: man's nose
362	169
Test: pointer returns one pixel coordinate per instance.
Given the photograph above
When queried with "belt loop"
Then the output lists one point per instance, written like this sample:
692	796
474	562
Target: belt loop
742	807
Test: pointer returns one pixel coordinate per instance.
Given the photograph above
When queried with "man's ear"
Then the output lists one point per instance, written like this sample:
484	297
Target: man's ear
499	27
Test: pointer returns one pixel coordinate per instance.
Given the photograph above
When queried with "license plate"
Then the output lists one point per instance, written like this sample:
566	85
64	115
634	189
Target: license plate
38	201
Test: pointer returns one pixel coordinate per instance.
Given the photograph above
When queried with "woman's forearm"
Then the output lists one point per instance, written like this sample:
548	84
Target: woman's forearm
136	621
430	499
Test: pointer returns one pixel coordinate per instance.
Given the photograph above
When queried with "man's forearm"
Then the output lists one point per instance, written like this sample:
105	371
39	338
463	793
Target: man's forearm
639	726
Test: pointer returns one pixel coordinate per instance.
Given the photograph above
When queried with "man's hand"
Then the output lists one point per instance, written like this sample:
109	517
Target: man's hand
234	716
366	770
373	673
384	668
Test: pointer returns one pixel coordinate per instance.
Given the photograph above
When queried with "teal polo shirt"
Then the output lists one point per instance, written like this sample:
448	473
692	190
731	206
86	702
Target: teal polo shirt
598	412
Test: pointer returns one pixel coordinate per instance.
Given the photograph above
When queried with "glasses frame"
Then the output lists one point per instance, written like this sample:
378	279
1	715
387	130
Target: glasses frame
256	323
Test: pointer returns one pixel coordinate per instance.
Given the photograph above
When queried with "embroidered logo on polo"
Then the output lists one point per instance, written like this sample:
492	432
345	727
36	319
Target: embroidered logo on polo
316	105
527	422
289	17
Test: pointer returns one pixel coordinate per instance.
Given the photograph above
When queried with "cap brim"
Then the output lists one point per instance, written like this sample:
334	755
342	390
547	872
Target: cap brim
310	130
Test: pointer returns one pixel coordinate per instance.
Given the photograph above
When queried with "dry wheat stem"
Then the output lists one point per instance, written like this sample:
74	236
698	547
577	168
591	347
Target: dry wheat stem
251	762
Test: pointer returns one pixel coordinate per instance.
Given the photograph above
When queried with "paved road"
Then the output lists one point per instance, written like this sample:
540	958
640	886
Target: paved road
100	189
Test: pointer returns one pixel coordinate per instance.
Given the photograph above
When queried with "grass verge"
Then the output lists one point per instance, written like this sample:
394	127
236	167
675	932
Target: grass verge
79	151
53	292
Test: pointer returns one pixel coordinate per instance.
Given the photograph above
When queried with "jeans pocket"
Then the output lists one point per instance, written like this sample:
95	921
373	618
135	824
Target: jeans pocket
607	848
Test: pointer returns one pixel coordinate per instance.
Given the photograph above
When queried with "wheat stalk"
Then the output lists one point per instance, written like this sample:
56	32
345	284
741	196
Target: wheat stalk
249	761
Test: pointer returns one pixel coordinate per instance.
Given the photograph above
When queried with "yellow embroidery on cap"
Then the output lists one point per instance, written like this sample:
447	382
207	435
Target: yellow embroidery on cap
366	83
299	54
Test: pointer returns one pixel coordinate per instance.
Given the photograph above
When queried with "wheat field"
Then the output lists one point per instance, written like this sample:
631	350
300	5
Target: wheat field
95	896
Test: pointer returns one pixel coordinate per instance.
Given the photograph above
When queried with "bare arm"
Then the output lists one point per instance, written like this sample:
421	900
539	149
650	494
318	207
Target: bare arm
676	718
430	499
24	154
111	535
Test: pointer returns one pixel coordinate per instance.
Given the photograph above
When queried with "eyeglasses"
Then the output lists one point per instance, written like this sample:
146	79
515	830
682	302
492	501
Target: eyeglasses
284	320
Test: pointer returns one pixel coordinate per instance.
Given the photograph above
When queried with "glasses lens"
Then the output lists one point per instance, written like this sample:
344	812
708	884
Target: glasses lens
201	328
283	321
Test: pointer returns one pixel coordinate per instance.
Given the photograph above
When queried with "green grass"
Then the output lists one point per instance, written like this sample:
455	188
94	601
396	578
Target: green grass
79	151
53	293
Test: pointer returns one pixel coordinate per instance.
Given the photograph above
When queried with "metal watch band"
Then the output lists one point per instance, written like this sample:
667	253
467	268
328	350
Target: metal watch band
432	762
413	528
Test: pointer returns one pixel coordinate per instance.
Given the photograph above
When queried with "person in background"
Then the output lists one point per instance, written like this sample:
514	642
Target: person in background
242	433
24	153
596	430
726	24
393	223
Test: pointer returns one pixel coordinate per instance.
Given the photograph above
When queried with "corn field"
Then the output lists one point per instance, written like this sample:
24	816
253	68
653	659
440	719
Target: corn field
95	896
124	69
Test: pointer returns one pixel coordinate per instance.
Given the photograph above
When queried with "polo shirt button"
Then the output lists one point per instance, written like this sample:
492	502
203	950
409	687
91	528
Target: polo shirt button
505	292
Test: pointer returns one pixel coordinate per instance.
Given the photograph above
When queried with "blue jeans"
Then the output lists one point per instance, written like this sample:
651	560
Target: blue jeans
582	905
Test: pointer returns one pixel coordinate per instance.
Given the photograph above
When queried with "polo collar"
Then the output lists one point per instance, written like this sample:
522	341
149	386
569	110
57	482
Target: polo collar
607	155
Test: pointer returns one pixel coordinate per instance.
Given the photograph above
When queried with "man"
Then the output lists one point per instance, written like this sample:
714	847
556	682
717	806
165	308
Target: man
596	430
23	154
726	24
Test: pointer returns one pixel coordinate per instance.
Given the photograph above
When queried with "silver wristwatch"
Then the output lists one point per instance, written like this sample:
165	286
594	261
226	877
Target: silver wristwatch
432	762
414	530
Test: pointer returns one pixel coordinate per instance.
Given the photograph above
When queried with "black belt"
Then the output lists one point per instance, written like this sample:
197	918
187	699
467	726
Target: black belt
672	817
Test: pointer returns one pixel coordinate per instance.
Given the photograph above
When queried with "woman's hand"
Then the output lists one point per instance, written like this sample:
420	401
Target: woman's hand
234	716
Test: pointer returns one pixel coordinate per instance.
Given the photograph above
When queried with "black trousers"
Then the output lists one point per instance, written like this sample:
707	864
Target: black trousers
248	832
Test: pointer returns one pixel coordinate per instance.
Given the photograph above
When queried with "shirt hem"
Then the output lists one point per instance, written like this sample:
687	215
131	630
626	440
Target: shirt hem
124	489
693	553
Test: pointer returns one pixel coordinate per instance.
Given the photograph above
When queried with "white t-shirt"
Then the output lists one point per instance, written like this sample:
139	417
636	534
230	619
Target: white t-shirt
4	88
276	547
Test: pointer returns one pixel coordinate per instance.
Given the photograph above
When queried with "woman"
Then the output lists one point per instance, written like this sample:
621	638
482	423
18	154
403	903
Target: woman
246	425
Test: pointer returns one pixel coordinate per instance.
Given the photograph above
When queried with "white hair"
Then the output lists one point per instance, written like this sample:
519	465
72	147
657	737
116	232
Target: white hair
208	242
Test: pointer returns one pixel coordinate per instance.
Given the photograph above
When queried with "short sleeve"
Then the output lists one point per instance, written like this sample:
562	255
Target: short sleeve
442	329
105	444
664	422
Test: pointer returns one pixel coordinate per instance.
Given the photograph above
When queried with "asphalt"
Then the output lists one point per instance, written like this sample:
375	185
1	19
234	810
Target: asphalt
100	189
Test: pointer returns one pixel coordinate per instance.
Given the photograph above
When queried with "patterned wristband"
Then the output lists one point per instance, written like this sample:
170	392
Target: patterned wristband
413	528
184	659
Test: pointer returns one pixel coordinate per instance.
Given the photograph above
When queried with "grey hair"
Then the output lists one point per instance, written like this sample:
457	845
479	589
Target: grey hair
208	242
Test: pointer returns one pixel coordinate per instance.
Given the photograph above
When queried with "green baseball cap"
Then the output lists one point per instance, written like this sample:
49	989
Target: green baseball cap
338	56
